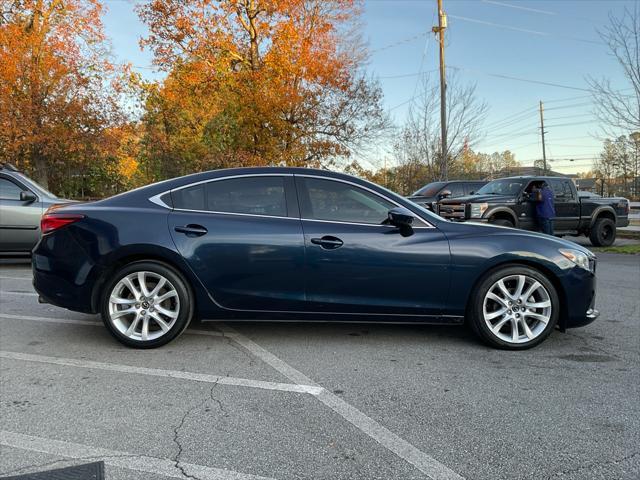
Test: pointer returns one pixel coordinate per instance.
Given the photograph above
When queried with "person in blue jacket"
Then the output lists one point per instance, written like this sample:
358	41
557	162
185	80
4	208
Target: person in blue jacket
545	209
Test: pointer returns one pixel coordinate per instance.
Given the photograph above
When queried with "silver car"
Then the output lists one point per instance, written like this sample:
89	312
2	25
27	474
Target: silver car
22	203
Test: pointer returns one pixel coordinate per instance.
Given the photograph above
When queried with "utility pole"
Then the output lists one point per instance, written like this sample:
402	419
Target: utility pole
544	151
442	25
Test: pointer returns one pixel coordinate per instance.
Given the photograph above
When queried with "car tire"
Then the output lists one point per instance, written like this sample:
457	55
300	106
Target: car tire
603	232
502	222
156	313
533	313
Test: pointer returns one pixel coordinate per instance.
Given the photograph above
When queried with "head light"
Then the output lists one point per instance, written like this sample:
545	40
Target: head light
478	209
576	256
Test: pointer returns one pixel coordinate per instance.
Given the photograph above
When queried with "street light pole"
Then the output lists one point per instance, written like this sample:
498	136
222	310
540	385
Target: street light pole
442	25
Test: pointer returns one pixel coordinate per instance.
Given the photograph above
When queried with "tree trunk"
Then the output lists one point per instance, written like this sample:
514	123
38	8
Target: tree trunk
40	170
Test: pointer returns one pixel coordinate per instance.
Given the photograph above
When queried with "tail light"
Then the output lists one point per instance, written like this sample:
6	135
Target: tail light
54	221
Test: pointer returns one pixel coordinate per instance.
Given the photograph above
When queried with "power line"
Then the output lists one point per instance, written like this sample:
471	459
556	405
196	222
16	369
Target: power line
525	30
519	79
519	7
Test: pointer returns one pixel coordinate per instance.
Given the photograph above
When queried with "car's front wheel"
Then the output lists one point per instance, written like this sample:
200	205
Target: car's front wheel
146	304
514	307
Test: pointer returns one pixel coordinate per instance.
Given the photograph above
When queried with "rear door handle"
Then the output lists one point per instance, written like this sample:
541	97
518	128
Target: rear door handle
192	230
328	242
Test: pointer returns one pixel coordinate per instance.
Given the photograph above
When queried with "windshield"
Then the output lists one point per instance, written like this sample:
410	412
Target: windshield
501	187
429	190
35	186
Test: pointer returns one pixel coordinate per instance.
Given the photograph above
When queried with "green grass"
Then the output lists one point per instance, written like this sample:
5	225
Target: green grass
626	249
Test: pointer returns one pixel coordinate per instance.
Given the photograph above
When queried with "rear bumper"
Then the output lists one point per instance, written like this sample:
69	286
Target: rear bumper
622	222
63	275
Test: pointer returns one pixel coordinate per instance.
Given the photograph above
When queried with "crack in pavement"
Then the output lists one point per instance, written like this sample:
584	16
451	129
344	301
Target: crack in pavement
176	435
176	430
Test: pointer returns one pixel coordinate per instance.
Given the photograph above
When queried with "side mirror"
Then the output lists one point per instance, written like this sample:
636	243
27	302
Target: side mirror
472	192
401	217
445	194
27	196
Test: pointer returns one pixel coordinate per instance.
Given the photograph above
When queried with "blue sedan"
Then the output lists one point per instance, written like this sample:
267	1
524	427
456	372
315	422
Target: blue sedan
294	243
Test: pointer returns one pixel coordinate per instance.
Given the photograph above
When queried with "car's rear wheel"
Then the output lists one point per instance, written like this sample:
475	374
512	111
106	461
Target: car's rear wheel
146	304
603	232
514	307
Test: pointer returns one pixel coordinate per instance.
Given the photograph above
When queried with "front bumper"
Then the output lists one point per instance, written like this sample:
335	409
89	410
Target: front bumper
580	298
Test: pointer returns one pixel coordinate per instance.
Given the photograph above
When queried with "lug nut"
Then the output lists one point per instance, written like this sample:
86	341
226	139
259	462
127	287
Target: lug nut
517	315
137	305
143	312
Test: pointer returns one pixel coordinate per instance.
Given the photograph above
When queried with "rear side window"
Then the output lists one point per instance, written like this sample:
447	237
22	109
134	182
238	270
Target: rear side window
9	190
561	189
190	198
248	195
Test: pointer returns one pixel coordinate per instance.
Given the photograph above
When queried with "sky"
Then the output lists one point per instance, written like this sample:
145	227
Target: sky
531	41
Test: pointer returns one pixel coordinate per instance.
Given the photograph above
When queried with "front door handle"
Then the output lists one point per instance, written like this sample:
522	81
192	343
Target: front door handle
328	242
192	230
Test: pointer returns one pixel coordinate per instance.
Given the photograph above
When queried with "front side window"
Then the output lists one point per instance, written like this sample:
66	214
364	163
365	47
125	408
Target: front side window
248	195
9	190
341	202
456	189
501	187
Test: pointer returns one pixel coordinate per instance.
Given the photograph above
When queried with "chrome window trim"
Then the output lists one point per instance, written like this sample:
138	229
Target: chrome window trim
230	177
156	199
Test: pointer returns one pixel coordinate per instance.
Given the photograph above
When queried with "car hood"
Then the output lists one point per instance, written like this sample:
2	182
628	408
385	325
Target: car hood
480	199
471	229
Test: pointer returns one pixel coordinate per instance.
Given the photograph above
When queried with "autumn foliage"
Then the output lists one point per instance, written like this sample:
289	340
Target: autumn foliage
56	100
256	82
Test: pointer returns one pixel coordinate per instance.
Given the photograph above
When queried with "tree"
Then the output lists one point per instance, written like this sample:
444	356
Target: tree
258	82
418	146
620	111
55	93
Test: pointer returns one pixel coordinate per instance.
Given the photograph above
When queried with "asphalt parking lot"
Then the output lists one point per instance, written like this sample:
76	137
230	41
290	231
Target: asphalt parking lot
321	401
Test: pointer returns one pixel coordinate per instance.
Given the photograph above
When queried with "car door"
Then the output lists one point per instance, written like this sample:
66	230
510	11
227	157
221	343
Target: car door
242	237
19	219
566	205
357	264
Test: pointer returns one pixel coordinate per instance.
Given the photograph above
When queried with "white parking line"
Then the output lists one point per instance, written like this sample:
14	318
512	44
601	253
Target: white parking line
156	372
26	294
403	449
9	277
115	458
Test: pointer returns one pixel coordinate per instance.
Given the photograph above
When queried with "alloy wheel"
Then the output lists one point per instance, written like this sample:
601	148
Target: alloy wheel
517	309
144	306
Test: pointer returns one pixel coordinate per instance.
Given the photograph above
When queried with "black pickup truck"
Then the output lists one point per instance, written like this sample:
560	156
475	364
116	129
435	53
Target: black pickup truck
508	202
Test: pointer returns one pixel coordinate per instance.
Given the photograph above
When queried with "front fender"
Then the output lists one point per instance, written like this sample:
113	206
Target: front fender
492	211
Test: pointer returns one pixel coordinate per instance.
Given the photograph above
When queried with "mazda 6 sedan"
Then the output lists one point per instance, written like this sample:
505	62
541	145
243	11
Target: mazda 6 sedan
294	243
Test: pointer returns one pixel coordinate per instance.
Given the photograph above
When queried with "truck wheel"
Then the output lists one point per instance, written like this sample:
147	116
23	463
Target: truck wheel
603	232
502	222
